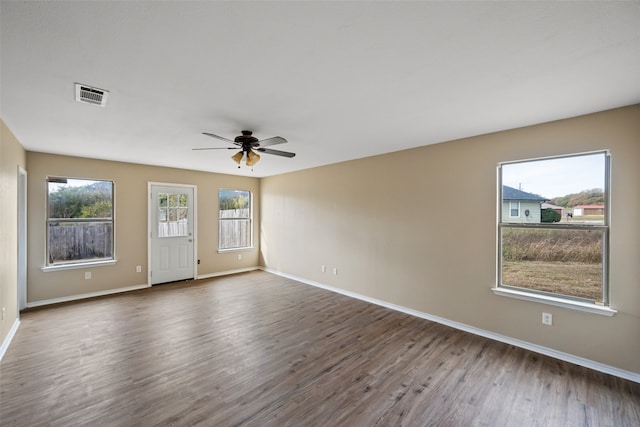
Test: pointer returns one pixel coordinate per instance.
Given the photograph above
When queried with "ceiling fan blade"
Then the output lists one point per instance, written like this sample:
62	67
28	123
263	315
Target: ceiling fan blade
272	141
218	137
275	152
215	148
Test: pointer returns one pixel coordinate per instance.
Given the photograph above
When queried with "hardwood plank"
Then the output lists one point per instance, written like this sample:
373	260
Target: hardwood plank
256	349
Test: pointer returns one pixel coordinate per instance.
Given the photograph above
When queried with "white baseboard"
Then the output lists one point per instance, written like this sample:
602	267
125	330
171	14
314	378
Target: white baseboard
226	273
84	296
126	289
587	363
7	340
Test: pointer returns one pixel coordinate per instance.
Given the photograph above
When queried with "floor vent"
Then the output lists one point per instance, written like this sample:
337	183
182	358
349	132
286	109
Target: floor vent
91	95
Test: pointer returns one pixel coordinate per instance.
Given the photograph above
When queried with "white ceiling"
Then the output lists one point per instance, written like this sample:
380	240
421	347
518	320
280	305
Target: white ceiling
339	80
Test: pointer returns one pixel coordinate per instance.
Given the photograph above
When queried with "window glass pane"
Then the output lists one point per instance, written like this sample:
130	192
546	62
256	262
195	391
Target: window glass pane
235	219
79	198
182	214
560	261
80	241
572	186
235	233
234	204
173	221
515	211
80	220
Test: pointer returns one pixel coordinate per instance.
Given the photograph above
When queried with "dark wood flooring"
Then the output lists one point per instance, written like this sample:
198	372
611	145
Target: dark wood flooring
256	349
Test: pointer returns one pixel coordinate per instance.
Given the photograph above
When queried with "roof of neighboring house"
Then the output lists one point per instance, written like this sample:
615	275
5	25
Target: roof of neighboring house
590	206
510	193
550	206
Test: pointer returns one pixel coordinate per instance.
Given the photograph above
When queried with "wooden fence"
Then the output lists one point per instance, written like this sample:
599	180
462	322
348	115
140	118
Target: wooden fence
80	241
235	228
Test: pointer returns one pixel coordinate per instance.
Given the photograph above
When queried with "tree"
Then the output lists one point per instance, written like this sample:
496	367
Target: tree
594	196
88	201
234	201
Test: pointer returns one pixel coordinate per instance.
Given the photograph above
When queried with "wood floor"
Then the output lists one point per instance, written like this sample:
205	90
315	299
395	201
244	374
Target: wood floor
256	349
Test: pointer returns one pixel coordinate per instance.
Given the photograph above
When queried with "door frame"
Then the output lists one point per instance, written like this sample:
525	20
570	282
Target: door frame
151	226
22	240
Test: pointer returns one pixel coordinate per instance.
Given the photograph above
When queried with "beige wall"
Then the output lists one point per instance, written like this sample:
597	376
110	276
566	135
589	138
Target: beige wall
131	195
12	156
417	228
436	255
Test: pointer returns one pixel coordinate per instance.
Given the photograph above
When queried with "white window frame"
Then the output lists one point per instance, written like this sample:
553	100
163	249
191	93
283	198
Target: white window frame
53	266
249	219
599	307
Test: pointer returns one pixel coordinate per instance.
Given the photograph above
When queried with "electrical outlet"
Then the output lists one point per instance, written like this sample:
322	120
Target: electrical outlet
239	257
87	275
547	319
2	313
323	268
138	269
335	271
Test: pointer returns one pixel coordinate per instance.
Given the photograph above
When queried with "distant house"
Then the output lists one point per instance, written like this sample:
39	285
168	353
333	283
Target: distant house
558	209
586	210
520	206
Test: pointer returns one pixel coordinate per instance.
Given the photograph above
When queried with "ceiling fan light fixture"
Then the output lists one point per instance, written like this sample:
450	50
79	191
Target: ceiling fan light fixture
238	157
252	158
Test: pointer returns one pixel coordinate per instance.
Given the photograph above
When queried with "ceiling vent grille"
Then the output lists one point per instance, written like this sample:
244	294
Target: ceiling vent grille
91	95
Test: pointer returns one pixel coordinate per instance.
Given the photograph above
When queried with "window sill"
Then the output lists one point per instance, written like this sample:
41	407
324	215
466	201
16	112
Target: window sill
245	249
76	266
558	302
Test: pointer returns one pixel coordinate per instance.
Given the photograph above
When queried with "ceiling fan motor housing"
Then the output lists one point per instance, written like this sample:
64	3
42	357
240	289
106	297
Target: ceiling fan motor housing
247	140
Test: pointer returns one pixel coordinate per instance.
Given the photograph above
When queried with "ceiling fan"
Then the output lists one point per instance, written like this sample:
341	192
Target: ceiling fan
249	144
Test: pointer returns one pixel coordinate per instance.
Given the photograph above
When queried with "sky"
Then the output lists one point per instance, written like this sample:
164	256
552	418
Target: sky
556	177
54	186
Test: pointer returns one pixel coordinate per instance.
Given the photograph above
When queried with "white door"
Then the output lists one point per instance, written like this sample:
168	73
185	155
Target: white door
171	233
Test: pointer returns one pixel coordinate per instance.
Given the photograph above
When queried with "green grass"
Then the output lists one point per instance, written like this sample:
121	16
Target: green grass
566	262
571	279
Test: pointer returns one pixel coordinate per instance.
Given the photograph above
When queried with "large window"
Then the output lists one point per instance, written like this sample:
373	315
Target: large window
235	219
79	221
557	244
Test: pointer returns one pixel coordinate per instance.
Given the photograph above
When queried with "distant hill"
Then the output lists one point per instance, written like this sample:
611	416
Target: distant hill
588	197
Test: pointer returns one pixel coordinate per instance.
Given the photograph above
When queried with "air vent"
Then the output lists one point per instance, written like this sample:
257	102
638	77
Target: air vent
91	95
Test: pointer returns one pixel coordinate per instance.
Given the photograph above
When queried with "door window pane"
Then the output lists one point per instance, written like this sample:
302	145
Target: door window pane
173	215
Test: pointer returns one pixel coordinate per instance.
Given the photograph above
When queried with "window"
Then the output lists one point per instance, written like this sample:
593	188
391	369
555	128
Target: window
560	247
79	221
514	209
173	220
235	219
